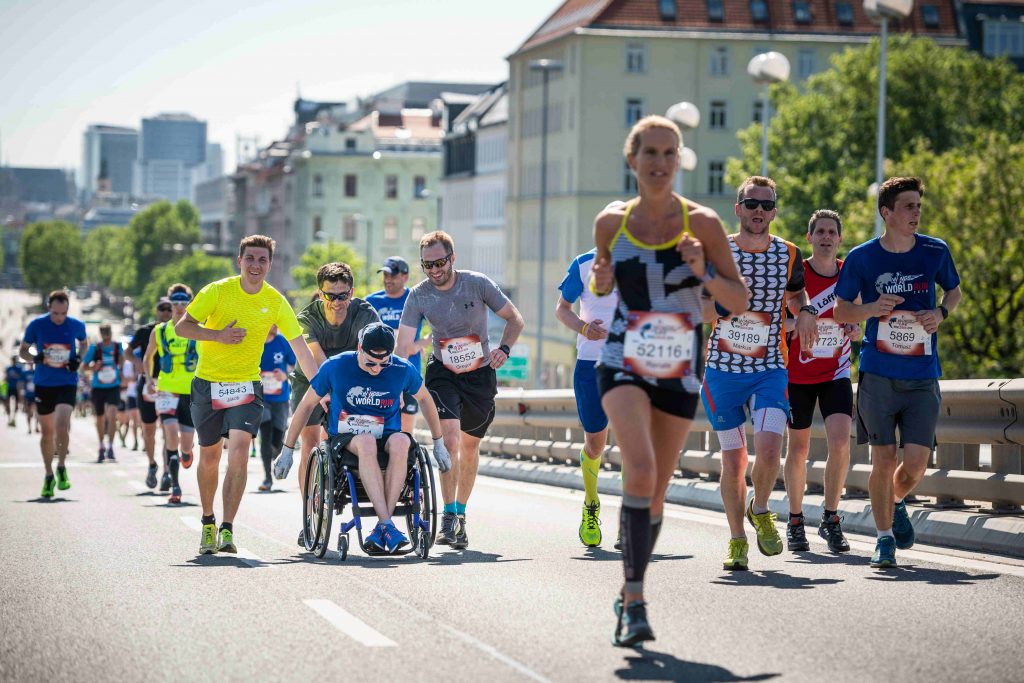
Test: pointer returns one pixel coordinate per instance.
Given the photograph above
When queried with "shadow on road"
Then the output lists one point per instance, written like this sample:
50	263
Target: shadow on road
172	506
263	493
602	555
936	577
648	665
811	558
47	501
772	578
226	560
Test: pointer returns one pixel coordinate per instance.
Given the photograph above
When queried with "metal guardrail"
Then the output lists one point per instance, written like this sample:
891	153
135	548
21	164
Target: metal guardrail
543	425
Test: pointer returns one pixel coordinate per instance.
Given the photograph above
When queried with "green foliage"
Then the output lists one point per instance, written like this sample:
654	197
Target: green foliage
316	255
158	235
50	256
107	256
195	270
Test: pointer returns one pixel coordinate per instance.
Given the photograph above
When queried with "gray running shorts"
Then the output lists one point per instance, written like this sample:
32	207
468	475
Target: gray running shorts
276	414
884	403
214	424
299	390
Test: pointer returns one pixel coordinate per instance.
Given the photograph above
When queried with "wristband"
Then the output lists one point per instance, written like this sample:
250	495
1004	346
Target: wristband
593	289
945	311
505	350
291	448
809	309
709	273
583	332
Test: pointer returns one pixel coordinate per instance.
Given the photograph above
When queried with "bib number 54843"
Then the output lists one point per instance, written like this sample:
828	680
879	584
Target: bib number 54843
226	395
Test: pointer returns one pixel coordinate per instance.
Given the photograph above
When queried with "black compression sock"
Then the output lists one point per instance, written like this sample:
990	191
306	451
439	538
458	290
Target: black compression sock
208	519
829	514
636	540
228	526
655	530
173	463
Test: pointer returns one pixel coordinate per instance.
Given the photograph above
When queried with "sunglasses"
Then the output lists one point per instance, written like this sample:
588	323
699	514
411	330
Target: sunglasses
163	308
341	296
379	364
427	265
751	204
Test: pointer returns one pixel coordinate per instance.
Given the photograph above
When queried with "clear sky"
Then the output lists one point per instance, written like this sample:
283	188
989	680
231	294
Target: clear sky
65	64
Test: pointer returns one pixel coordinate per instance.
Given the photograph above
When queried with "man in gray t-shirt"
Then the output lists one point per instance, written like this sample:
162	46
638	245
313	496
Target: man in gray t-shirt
460	371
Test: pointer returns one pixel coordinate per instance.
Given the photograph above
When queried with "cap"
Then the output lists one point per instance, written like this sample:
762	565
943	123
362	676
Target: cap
163	301
377	340
394	265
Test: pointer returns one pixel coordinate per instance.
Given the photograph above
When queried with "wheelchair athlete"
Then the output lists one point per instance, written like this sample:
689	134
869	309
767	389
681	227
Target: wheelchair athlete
365	387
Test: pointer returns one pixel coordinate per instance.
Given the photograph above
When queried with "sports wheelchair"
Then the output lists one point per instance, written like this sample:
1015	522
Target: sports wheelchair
332	482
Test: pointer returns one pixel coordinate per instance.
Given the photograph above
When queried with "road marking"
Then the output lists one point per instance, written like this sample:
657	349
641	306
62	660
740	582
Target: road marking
244	554
137	485
120	473
349	624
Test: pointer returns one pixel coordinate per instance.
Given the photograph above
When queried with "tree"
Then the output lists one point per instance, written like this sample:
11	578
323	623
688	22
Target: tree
316	255
158	235
107	254
50	256
822	140
195	270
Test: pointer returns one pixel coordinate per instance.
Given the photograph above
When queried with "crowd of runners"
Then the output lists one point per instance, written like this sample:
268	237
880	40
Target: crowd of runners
672	312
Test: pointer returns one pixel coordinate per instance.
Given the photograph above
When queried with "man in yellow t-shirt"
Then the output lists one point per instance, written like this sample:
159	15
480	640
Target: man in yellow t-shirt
230	319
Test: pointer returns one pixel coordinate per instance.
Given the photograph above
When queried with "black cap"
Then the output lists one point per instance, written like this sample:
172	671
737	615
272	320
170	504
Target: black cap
377	340
393	265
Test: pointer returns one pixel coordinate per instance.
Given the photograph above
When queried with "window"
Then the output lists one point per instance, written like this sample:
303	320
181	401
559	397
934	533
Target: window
390	229
318	185
719	65
348	229
391	187
844	13
716	177
667	10
759	10
930	15
802	12
419	187
419	226
806	61
1003	37
636	58
758	114
350	185
634	110
318	228
628	178
719	115
716	12
350	143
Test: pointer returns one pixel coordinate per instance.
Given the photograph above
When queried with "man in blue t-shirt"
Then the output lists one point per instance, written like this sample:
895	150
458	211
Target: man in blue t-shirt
896	276
365	387
55	342
104	362
277	361
389	303
15	378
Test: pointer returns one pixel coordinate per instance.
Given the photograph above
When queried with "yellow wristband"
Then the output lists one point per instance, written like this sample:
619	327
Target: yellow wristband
583	332
593	289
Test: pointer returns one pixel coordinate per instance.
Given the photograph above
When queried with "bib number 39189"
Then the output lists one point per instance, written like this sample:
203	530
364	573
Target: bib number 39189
658	344
226	395
745	334
462	354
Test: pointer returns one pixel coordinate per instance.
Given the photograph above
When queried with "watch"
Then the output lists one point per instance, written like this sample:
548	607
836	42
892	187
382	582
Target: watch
505	350
810	309
945	311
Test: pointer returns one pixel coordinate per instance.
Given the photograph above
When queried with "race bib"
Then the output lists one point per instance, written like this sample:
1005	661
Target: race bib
271	385
107	375
658	345
745	334
361	424
831	340
462	354
30	387
901	334
56	355
146	396
166	403
226	395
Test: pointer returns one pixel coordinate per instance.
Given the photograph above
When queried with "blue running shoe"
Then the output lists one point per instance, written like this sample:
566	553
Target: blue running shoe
375	539
902	529
885	552
393	538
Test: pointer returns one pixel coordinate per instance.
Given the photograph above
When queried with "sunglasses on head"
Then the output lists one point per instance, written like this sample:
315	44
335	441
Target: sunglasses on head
341	296
427	265
750	204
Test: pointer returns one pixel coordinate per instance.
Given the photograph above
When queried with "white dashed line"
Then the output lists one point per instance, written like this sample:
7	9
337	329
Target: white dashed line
349	624
244	554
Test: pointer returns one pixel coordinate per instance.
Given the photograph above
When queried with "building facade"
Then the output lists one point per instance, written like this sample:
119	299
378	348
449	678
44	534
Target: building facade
995	29
171	147
108	160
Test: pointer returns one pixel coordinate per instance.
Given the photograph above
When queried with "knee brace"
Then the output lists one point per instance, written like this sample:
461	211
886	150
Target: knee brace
772	420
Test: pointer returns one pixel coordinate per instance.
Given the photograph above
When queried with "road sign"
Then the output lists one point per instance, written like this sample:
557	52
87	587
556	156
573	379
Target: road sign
515	368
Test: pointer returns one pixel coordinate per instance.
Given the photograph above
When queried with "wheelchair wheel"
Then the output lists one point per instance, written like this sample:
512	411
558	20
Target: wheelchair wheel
319	505
423	540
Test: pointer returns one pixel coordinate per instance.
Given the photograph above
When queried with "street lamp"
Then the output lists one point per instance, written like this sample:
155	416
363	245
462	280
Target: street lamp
767	68
545	67
687	117
369	237
884	10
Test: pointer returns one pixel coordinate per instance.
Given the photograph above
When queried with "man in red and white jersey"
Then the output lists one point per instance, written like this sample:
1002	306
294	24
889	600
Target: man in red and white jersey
822	377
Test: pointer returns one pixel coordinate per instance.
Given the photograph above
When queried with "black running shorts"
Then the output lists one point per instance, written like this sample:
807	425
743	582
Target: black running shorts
831	397
467	397
677	403
48	398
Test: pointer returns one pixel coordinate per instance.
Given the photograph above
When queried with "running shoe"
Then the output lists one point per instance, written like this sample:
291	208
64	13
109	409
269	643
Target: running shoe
110	453
226	542
375	539
100	457
461	541
449	529
393	538
186	460
165	482
63	483
265	486
768	540
832	532
618	540
48	483
151	476
632	627
796	537
902	529
175	497
590	526
737	558
208	541
885	552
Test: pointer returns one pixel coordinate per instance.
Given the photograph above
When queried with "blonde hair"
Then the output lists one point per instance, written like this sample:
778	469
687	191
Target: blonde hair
632	145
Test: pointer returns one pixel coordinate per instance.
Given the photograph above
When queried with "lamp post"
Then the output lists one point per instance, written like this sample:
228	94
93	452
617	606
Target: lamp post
884	10
369	241
687	117
767	68
545	67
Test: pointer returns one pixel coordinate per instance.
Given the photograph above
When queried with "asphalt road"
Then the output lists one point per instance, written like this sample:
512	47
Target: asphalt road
104	583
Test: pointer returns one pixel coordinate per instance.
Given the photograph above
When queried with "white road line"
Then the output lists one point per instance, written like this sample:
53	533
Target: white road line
244	554
349	624
120	473
137	485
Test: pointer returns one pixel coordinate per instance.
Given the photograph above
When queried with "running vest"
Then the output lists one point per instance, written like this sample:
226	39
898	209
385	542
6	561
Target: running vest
178	360
656	332
830	358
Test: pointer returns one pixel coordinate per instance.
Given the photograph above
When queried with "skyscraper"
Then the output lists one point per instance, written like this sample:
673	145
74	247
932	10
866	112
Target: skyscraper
172	145
108	153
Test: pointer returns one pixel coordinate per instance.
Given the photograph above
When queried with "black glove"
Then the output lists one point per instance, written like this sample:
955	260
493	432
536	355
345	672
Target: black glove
73	364
40	358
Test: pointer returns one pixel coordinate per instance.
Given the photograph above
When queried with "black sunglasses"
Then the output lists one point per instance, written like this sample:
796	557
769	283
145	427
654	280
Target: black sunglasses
371	364
163	308
341	296
751	204
427	265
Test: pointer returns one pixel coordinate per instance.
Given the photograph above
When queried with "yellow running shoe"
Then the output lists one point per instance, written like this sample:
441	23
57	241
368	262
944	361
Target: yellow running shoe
48	483
768	540
227	542
590	526
63	483
208	542
737	557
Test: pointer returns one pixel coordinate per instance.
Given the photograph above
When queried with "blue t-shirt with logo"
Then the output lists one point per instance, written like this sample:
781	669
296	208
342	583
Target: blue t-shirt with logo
277	355
390	312
28	377
109	375
870	271
355	392
58	343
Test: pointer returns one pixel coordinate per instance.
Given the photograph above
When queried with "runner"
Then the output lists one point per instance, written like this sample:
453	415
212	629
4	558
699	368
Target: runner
657	251
52	337
29	397
821	377
591	328
130	393
365	389
330	325
746	366
231	318
277	361
14	380
389	303
139	345
104	363
177	360
896	276
460	372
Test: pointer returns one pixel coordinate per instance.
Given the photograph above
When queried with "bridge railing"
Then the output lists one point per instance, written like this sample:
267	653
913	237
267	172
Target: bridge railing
543	425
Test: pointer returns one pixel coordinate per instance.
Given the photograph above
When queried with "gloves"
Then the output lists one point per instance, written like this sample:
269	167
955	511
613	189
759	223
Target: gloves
283	463
441	456
74	363
40	358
